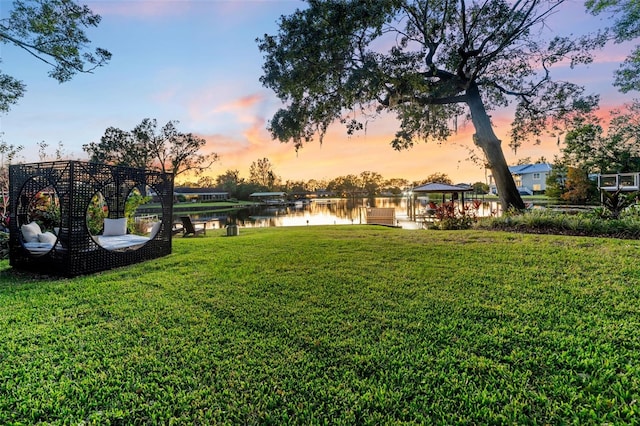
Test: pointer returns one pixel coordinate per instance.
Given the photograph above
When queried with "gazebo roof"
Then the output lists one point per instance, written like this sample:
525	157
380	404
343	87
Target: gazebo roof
437	187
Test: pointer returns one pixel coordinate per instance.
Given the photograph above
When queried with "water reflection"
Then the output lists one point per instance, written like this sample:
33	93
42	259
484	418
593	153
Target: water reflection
317	212
333	211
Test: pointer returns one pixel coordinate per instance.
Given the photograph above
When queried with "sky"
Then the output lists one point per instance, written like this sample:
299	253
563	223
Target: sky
198	62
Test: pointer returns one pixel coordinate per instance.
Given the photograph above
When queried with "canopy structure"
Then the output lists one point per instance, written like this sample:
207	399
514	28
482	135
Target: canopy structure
441	188
72	217
444	188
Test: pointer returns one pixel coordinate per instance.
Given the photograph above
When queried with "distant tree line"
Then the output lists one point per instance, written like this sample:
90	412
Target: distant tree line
262	178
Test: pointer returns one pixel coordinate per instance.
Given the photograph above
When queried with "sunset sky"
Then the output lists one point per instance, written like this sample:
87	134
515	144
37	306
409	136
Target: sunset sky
197	62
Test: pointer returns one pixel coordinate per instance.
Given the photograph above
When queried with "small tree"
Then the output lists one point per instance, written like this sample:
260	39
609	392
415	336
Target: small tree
147	146
578	188
261	173
556	182
480	188
229	181
371	183
120	148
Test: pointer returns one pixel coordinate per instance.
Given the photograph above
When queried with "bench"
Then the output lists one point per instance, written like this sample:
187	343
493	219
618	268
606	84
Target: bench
381	216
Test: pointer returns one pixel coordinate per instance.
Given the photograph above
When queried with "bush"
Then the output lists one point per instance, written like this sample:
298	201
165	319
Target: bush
595	223
615	203
451	218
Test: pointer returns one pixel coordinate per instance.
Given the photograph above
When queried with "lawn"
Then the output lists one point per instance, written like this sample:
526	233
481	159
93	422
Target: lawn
332	325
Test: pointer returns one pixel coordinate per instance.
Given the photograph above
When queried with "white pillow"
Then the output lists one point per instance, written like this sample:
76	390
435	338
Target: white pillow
30	232
154	229
115	227
47	237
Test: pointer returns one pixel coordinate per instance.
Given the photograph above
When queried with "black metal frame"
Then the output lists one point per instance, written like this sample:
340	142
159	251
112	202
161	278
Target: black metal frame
75	182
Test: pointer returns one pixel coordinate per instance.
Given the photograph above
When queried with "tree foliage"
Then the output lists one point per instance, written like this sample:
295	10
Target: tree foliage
395	186
625	28
147	146
346	186
556	182
438	177
371	182
617	150
578	189
229	181
480	188
52	31
427	62
367	183
261	173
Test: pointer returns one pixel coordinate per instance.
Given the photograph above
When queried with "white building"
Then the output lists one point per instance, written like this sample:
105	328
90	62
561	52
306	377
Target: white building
530	179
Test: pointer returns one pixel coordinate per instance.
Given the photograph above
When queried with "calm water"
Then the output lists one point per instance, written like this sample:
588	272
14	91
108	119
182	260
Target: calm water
326	212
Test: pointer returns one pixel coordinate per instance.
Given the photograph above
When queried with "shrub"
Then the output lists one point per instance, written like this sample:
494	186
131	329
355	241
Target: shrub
450	218
578	188
617	202
549	222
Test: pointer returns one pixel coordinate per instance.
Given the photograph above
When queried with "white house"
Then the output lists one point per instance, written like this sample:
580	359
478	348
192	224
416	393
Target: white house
529	178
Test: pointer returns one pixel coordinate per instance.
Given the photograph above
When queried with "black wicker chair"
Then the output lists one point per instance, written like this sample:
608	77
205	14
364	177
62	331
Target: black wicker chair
74	184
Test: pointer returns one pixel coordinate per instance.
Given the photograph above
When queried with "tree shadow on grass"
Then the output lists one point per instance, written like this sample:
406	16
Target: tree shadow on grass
12	276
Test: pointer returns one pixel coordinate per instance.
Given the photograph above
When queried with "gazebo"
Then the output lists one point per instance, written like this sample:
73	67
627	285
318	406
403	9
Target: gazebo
70	217
439	188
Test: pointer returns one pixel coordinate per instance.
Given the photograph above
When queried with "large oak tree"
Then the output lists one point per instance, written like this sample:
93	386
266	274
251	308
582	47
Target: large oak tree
52	31
429	62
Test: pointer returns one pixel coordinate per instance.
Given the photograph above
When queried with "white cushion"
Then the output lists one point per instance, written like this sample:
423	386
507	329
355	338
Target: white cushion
119	242
154	229
30	232
47	237
38	248
115	227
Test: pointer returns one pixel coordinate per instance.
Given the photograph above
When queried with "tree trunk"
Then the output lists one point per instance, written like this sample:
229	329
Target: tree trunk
486	139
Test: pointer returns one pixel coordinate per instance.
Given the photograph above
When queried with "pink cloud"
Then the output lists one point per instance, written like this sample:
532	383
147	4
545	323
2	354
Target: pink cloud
370	151
248	101
220	102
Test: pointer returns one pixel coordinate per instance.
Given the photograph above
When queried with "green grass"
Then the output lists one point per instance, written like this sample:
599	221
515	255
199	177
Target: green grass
332	325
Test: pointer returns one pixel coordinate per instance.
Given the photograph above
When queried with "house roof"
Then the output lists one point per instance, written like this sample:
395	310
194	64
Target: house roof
268	194
522	169
442	187
198	191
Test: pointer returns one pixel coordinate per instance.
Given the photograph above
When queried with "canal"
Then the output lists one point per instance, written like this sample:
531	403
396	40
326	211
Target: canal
324	211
